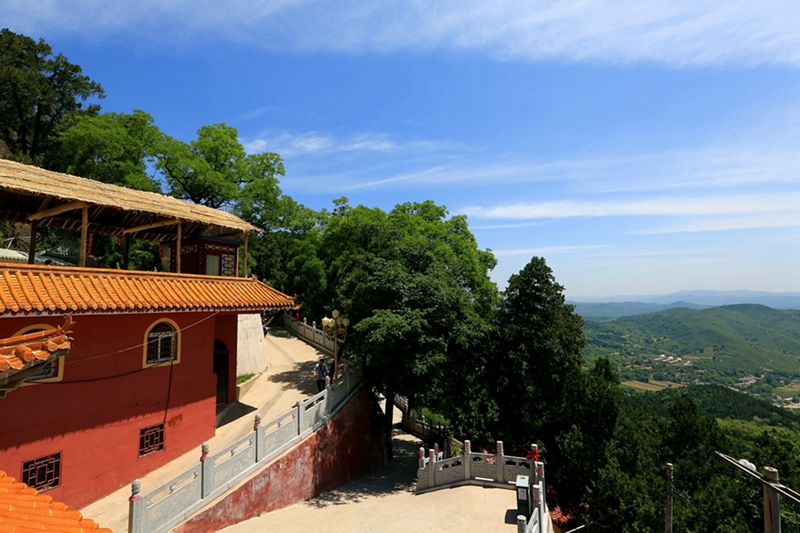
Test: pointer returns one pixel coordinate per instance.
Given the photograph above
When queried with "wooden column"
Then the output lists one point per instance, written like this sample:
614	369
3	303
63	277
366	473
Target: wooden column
32	244
244	269
178	249
84	234
126	253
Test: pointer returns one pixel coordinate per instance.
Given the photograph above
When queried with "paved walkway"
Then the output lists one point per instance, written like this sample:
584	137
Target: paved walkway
288	379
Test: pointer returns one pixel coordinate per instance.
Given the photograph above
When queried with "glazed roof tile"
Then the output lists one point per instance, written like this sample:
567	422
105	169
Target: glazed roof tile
35	289
25	510
24	351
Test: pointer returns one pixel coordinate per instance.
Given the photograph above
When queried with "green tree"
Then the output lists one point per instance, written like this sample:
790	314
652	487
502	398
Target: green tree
215	171
115	148
39	95
540	386
416	287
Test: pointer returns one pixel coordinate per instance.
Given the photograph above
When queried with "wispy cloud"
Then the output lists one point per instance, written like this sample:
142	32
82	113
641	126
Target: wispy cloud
741	204
319	144
679	33
548	250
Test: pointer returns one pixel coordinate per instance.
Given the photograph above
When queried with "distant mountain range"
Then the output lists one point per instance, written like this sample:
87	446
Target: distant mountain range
617	306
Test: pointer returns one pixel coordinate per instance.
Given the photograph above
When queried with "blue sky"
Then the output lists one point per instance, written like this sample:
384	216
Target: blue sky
640	147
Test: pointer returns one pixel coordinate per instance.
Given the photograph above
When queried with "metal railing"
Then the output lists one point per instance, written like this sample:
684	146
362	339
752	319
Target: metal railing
182	496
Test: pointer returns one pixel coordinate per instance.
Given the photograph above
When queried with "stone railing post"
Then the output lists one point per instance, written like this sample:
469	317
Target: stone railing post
467	460
500	463
536	498
534	458
432	468
540	473
522	524
421	458
436	449
260	438
300	413
137	507
206	472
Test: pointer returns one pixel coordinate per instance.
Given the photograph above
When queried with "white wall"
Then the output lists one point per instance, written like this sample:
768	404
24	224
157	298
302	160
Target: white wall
251	347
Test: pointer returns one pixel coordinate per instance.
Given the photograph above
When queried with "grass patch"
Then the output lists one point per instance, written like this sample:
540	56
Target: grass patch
788	391
650	386
244	377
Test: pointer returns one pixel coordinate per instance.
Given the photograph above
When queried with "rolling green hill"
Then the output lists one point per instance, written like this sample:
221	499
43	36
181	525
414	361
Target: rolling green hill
716	345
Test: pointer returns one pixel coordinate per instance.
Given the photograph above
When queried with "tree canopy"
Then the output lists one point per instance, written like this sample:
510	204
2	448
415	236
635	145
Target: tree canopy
40	94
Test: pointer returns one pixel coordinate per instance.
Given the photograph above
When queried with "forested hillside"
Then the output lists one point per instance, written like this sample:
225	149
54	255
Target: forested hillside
752	346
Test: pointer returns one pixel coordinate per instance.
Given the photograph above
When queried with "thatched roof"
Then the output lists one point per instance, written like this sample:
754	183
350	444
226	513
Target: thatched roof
25	190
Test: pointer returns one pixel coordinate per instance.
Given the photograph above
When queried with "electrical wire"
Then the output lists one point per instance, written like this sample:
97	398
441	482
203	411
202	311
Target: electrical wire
136	346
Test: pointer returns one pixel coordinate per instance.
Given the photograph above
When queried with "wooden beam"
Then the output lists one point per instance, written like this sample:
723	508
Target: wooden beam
178	250
245	255
84	233
152	225
32	243
57	210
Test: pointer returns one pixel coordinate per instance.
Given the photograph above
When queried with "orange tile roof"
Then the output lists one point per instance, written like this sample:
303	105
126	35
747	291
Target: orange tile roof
25	510
37	289
24	351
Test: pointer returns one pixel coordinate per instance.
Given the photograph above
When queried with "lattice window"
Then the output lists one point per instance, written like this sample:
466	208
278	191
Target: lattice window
42	473
161	343
151	440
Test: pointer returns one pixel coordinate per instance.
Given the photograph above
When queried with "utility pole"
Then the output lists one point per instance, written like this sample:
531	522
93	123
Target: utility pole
772	505
772	490
668	516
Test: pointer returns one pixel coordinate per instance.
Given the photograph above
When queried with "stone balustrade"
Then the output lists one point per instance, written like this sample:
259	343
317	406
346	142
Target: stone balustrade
487	470
176	500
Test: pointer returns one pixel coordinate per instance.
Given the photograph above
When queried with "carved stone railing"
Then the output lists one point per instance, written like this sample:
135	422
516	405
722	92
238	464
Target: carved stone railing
421	428
308	332
487	470
176	500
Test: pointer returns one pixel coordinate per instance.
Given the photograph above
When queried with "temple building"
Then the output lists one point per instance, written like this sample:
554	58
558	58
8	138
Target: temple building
107	374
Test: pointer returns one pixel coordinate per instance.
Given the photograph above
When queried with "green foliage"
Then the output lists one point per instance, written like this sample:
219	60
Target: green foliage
537	380
114	148
215	171
40	94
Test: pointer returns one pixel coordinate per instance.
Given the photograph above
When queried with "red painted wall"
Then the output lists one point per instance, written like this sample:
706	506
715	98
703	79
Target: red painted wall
344	449
94	415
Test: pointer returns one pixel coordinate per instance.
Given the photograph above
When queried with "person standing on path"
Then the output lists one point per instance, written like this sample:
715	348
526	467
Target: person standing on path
320	371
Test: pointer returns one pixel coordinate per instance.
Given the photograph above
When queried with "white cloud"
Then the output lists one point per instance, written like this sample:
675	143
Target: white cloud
310	145
784	204
679	33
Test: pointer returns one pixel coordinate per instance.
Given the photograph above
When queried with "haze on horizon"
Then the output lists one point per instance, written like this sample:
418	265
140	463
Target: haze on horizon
640	147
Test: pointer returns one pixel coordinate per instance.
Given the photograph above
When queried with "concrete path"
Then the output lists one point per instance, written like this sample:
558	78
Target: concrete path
384	501
288	379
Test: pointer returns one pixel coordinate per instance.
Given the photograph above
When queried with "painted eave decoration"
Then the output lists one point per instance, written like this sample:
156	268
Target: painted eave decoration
20	355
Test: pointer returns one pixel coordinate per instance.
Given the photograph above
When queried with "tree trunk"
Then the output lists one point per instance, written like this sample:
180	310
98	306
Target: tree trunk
388	423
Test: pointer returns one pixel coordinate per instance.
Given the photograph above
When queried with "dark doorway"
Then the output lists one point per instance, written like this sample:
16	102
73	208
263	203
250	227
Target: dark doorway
221	356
